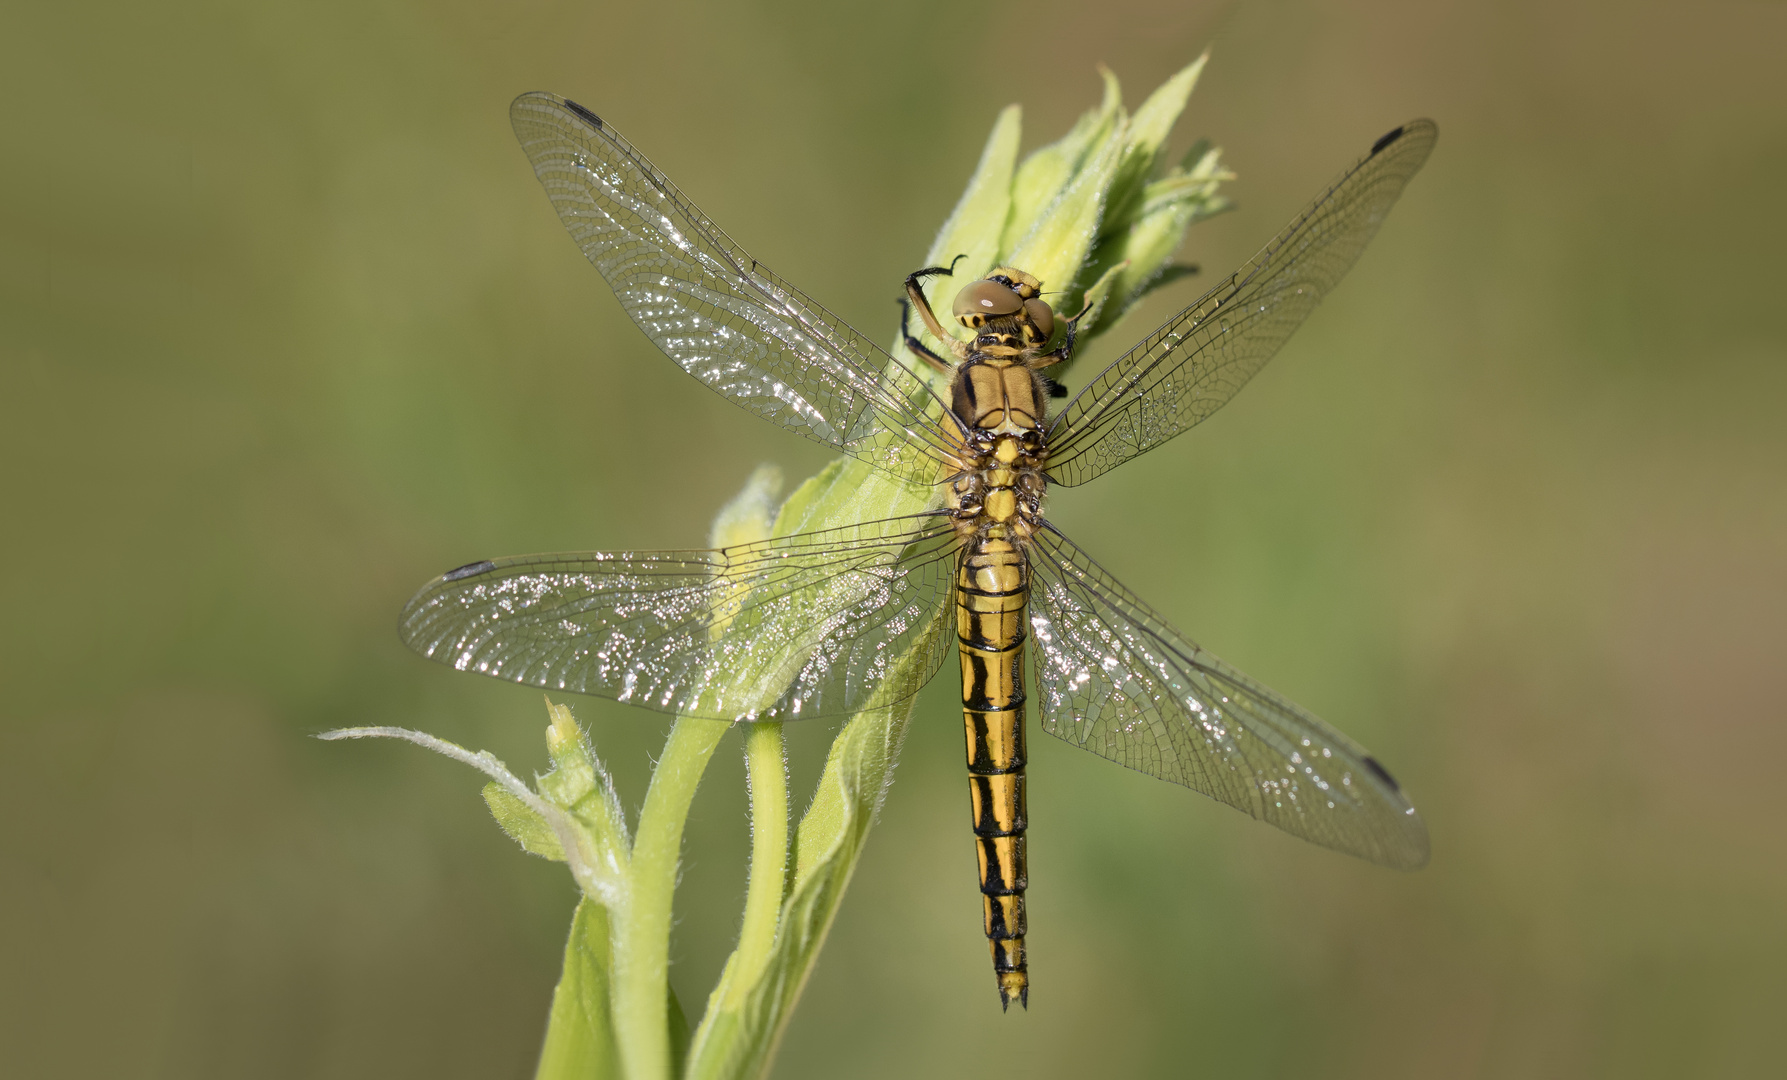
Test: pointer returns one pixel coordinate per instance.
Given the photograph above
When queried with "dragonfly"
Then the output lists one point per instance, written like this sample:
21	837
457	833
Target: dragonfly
822	623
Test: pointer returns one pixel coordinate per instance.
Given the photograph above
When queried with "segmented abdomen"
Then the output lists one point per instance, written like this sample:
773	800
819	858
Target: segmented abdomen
992	591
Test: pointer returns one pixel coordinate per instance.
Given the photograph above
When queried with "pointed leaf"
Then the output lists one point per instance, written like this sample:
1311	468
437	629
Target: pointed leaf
976	225
1056	249
1048	171
580	1032
527	828
1147	134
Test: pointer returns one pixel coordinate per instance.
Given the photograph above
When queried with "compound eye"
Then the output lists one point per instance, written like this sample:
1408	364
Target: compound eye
1042	318
983	300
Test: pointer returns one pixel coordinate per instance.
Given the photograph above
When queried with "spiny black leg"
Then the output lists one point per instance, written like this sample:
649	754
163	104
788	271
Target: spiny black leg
916	294
917	347
1065	352
934	271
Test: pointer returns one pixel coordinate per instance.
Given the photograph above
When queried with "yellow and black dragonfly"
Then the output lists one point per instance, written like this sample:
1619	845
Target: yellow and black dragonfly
812	625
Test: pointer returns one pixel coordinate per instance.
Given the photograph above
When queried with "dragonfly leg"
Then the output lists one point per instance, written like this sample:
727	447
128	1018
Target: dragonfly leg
915	295
918	348
917	276
1062	354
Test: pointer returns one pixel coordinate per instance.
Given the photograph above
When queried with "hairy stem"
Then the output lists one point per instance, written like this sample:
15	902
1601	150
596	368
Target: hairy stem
766	768
641	935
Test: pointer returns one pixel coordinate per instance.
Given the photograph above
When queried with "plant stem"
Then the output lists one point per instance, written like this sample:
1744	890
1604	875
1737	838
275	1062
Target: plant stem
766	769
641	936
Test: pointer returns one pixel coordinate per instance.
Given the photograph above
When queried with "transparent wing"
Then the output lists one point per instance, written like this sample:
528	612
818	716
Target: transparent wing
1115	679
715	310
819	624
1196	362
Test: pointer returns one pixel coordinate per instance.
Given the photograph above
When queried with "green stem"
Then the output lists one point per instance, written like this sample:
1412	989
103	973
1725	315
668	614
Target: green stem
641	935
766	768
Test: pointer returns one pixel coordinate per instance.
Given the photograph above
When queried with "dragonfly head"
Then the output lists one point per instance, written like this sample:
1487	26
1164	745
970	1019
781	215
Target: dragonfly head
1007	293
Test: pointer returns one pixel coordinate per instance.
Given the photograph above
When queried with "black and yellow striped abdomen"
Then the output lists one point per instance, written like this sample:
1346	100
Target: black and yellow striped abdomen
992	592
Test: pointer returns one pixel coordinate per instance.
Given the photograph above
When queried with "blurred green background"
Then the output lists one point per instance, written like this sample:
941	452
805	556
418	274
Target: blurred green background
287	327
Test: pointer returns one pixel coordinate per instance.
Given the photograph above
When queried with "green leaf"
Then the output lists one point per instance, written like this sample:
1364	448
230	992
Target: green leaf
978	220
850	492
679	1033
1146	135
1055	249
1166	209
1098	295
751	513
1049	170
975	225
1139	253
527	828
579	1030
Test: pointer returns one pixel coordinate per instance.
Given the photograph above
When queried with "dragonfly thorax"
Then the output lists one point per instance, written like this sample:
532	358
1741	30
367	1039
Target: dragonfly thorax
999	491
998	394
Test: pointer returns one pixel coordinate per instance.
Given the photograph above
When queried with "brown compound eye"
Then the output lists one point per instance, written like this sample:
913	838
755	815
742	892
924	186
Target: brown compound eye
1042	321
983	300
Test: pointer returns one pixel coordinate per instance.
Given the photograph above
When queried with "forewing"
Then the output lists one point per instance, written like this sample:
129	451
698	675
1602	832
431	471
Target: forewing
1115	679
1192	365
785	629
715	310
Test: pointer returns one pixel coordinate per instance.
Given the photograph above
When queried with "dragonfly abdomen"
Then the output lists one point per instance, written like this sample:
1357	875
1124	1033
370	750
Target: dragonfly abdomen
992	593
